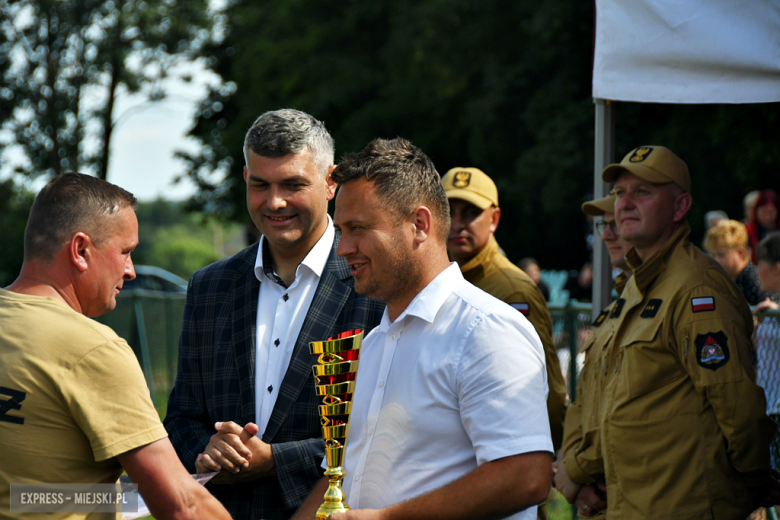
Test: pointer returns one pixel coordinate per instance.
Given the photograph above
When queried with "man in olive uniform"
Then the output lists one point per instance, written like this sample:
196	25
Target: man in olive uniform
683	430
579	474
475	214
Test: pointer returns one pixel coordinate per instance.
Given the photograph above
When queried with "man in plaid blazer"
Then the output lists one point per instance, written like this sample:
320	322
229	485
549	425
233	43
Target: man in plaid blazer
220	391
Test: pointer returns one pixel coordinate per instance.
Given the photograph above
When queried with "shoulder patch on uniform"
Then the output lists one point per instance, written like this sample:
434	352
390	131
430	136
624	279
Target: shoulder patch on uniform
712	350
651	309
601	317
524	308
703	304
618	308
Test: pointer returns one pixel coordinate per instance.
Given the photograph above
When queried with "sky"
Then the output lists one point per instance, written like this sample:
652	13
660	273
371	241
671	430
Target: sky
148	134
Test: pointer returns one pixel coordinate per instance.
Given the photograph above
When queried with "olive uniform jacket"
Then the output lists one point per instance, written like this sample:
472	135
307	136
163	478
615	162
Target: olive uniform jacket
216	378
683	429
581	450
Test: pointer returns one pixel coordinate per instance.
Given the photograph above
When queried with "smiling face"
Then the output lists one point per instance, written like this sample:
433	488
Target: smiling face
648	214
109	265
377	245
470	229
288	199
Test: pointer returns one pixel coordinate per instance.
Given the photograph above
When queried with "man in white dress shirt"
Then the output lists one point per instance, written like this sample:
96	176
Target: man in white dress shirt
449	418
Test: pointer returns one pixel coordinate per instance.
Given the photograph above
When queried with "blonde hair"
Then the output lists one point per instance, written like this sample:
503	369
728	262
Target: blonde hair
728	234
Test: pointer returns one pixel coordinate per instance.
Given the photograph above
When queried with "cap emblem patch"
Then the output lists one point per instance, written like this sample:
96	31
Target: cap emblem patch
462	179
640	154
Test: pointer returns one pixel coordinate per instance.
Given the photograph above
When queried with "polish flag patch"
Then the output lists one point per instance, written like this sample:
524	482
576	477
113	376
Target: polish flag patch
522	307
703	304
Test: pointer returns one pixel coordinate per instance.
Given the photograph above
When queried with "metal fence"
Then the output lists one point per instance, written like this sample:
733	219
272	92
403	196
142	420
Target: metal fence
150	321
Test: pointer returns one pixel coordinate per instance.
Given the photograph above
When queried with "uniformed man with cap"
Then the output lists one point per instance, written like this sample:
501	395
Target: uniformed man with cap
579	474
683	430
475	214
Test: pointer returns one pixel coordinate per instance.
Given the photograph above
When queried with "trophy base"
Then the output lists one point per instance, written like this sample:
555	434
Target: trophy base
326	510
334	496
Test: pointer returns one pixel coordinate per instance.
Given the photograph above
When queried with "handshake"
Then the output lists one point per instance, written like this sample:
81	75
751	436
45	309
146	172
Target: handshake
237	453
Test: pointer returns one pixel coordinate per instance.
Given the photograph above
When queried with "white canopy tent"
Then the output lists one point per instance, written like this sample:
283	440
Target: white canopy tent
668	51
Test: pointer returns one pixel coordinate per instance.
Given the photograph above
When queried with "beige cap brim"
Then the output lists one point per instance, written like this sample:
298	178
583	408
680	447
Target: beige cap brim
469	196
598	207
611	172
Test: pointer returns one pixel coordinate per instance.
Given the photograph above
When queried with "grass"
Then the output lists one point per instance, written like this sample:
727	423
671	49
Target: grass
559	509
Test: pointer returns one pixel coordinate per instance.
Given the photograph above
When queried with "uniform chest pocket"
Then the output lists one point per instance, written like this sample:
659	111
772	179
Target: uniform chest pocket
649	363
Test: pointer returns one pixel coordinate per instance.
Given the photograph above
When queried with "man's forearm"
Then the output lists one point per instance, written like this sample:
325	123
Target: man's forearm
494	490
309	507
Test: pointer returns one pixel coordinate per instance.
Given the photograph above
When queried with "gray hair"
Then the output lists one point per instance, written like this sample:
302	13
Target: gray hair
68	204
282	132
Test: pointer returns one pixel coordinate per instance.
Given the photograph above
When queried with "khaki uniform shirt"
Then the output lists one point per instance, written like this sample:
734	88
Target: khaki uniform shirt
581	445
496	275
581	450
683	429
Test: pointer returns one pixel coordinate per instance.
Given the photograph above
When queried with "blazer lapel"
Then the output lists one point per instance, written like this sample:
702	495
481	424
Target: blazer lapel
244	332
326	306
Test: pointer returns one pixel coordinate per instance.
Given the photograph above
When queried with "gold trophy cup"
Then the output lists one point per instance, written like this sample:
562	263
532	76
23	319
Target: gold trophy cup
334	377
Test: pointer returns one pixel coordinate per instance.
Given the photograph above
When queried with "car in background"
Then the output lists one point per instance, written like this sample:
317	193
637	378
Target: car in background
151	278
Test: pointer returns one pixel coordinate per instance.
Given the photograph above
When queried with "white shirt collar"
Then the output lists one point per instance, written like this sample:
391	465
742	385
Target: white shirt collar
428	301
315	260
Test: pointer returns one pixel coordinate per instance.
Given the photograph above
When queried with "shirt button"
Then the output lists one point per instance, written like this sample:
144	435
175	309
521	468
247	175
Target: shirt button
285	297
392	338
357	478
381	384
270	389
371	431
276	342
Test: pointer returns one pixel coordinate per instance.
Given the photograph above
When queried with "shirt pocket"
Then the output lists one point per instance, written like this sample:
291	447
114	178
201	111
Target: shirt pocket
649	363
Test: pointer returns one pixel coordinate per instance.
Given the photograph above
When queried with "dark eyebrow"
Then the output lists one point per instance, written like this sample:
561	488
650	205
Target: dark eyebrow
290	180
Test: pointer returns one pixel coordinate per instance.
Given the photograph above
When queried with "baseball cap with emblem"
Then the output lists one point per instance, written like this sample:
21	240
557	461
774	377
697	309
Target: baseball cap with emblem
471	185
597	208
655	164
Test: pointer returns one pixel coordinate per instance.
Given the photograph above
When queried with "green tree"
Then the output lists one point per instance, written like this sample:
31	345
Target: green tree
16	203
181	252
503	86
181	242
55	53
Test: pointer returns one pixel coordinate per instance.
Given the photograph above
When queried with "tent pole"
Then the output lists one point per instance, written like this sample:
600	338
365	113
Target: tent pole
604	155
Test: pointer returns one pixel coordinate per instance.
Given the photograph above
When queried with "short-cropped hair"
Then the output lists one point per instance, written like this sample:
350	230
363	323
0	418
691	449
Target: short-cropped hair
282	132
403	176
527	262
68	204
728	234
768	250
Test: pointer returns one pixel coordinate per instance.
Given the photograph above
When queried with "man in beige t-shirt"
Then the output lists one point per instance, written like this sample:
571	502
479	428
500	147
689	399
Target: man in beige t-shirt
74	406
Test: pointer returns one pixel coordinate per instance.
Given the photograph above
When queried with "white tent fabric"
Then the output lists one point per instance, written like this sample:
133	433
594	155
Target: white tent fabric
691	51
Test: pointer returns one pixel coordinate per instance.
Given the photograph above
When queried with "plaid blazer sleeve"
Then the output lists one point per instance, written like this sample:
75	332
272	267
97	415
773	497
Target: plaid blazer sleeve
209	376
